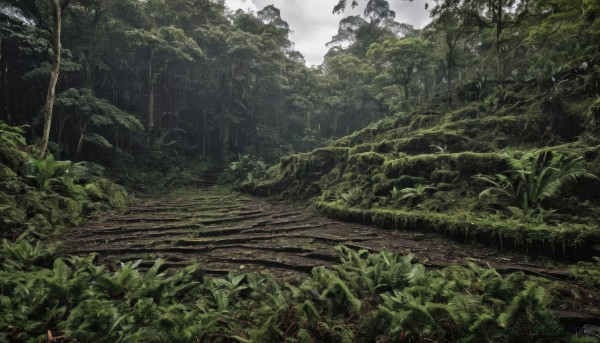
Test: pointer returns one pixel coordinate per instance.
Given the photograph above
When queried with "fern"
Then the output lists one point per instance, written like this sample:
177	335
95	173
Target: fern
14	256
84	171
412	196
76	299
97	140
534	179
526	307
12	136
353	197
484	328
43	171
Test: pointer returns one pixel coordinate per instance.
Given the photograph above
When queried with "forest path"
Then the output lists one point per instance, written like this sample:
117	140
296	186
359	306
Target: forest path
224	231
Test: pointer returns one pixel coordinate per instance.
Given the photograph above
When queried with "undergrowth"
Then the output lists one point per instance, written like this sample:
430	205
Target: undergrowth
496	166
40	196
367	297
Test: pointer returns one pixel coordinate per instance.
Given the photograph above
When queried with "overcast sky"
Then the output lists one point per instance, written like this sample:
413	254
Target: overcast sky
313	24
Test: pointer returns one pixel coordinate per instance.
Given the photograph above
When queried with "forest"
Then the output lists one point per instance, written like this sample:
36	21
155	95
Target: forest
173	171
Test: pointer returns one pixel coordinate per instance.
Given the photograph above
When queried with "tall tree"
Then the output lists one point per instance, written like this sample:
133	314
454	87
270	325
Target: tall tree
160	47
452	24
401	59
53	78
35	9
347	78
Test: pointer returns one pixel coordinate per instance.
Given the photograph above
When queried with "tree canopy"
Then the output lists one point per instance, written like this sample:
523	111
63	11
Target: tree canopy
233	82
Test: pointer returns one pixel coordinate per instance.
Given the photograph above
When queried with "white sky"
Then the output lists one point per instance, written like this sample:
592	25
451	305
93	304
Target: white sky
313	24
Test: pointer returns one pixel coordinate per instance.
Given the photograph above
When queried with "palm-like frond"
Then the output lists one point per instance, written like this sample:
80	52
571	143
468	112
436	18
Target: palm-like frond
42	171
532	179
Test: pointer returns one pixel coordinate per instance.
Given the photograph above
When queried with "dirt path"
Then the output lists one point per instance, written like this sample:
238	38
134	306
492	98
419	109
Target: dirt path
224	231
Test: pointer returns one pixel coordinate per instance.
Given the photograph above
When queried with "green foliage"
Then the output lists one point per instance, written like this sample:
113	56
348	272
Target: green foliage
403	299
40	196
11	136
573	239
23	255
399	61
353	197
12	142
95	113
367	296
412	196
588	274
534	179
46	170
246	169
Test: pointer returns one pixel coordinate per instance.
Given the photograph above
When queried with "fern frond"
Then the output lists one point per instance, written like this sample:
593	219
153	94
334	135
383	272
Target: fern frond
96	139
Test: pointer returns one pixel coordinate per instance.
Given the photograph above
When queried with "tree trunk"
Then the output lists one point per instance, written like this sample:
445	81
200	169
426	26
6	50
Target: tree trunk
335	124
80	141
4	95
449	69
53	79
90	53
151	82
224	137
88	73
205	133
151	107
499	61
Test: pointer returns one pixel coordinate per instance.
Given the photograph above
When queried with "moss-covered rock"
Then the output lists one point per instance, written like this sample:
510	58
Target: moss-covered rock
365	163
466	163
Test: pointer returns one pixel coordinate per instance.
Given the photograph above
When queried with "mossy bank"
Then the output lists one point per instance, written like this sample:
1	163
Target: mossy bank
514	165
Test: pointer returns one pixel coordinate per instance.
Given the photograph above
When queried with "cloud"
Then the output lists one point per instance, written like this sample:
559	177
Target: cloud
244	5
313	23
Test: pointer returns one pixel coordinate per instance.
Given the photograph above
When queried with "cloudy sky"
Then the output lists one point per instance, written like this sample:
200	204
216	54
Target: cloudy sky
313	24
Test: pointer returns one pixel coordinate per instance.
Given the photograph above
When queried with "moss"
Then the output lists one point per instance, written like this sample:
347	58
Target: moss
6	172
361	148
477	137
365	162
469	112
445	176
13	158
299	176
117	196
570	241
425	142
423	121
384	147
466	163
65	195
318	161
405	181
441	186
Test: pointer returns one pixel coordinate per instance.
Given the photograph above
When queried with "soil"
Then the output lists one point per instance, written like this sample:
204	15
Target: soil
225	231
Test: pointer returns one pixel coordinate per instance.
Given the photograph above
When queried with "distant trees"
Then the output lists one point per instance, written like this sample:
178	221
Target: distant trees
88	111
232	82
160	47
495	39
347	83
400	60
